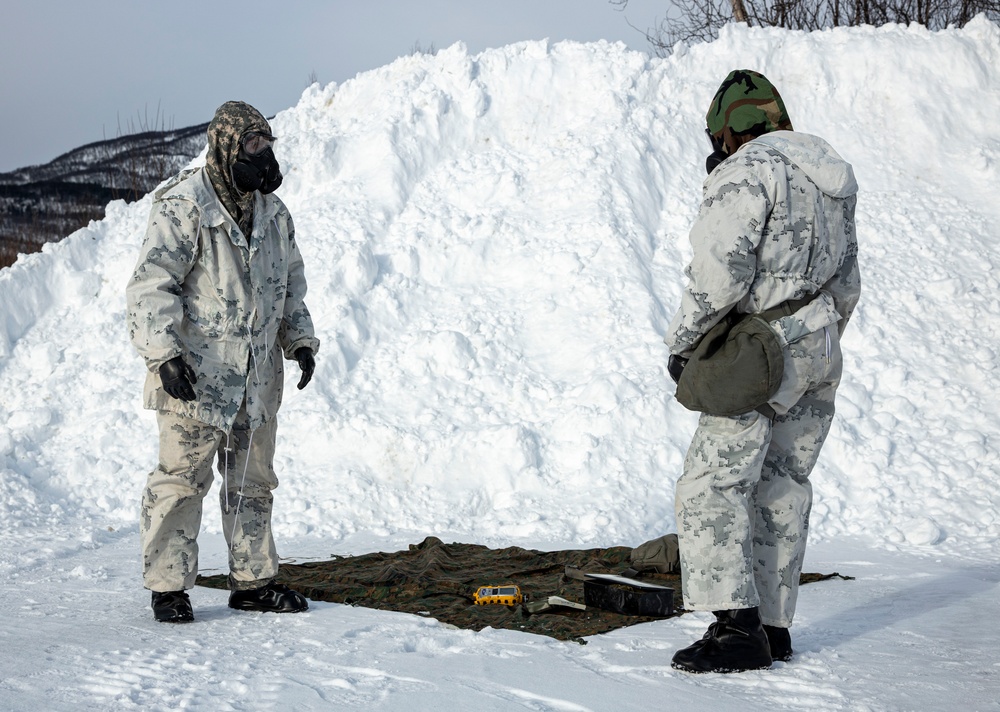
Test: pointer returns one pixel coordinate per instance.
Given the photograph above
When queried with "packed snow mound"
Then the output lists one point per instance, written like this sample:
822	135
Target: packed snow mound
494	245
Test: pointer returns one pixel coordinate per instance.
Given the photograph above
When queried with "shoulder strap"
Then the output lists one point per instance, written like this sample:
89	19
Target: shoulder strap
786	308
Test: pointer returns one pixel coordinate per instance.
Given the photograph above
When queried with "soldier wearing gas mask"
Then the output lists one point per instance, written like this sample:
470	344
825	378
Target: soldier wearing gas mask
215	305
774	237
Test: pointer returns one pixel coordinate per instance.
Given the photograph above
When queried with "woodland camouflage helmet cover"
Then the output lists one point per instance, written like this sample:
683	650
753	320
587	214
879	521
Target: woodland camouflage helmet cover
746	105
231	121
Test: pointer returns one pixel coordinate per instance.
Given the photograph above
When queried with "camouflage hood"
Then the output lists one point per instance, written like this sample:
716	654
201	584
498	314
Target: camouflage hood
231	121
817	159
746	103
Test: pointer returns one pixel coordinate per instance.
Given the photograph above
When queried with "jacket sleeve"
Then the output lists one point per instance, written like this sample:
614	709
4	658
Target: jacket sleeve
296	328
724	239
845	285
153	294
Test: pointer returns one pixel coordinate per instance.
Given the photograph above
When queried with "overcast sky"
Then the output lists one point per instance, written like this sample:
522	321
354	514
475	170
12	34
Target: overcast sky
77	71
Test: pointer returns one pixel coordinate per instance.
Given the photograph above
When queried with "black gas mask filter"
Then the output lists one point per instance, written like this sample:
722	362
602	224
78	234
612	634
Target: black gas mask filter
718	154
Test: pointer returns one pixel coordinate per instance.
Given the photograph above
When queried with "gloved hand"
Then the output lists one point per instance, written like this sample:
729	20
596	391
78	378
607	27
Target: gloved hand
675	367
304	355
177	378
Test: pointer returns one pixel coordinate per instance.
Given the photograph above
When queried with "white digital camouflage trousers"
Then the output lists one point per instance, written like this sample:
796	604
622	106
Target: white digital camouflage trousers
172	501
744	498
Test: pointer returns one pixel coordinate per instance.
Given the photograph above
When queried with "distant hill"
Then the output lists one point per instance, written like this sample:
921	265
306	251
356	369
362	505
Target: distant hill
40	204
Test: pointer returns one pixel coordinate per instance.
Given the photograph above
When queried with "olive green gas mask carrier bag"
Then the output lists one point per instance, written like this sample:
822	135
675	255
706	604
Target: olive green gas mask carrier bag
738	365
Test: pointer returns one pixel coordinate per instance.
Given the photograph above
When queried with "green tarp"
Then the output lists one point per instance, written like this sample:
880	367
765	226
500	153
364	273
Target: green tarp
437	580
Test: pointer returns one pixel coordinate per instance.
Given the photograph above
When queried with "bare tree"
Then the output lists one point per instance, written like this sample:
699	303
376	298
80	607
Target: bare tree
136	165
700	20
418	48
739	12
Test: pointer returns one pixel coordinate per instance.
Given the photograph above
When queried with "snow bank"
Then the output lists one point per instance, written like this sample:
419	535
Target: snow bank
494	245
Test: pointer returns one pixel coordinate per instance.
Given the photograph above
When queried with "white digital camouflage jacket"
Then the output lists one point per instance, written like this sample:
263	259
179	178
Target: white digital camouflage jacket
229	308
776	223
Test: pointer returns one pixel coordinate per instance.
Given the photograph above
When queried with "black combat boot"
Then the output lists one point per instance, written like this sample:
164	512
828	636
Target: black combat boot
780	642
734	643
172	607
270	598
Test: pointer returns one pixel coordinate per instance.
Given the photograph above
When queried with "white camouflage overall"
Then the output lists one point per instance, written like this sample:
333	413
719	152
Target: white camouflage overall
231	306
776	224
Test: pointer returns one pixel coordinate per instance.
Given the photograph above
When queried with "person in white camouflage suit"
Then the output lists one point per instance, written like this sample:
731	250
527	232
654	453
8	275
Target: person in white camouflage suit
776	235
215	301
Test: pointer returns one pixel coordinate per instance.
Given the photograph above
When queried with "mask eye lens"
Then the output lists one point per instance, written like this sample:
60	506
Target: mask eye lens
255	144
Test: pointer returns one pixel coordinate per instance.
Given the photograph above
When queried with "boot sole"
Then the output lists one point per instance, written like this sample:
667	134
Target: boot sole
175	619
723	671
263	609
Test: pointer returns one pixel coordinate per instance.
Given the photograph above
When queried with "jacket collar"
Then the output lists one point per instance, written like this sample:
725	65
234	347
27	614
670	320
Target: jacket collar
195	186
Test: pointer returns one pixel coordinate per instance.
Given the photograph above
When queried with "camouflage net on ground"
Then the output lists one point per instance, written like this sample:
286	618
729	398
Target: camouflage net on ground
437	580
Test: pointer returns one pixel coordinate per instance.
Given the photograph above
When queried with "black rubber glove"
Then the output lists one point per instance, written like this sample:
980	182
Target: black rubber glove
304	355
177	378
675	367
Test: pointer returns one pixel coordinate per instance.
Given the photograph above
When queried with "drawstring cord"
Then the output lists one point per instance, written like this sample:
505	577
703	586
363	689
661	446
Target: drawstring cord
253	356
225	471
239	500
246	462
829	348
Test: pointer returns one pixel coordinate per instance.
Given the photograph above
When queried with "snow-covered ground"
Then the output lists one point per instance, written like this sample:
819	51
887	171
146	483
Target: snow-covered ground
495	245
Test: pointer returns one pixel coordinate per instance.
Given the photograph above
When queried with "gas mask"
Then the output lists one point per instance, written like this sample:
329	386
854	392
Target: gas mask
718	154
255	167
